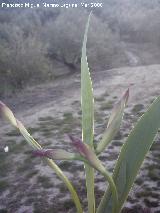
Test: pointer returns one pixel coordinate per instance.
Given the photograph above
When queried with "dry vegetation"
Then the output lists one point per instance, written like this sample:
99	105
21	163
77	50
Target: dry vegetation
41	44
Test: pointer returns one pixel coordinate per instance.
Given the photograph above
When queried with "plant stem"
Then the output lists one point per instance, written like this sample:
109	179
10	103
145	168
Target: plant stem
113	189
67	183
56	169
90	188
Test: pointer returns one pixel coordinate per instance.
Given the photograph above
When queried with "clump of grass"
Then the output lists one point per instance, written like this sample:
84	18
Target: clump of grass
76	102
47	118
115	97
68	115
147	193
118	136
137	108
31	173
65	165
139	181
98	117
60	125
47	133
4	185
25	166
105	94
117	143
45	181
33	130
99	99
155	147
62	188
143	194
68	204
13	133
106	105
67	118
79	113
16	148
153	172
65	129
4	168
3	211
152	100
151	204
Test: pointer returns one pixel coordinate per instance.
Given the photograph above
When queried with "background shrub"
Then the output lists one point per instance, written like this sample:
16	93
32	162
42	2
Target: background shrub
41	44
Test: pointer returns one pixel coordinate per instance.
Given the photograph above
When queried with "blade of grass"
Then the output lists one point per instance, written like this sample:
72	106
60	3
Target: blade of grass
132	156
87	119
35	145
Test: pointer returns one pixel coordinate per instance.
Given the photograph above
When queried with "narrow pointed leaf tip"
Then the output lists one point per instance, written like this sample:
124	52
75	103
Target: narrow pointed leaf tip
87	99
79	145
114	123
55	154
86	152
8	114
119	107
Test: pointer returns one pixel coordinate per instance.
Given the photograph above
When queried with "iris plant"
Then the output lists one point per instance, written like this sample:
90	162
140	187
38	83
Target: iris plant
131	155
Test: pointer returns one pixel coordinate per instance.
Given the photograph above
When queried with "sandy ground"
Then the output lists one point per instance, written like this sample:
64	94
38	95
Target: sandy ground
56	97
52	101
